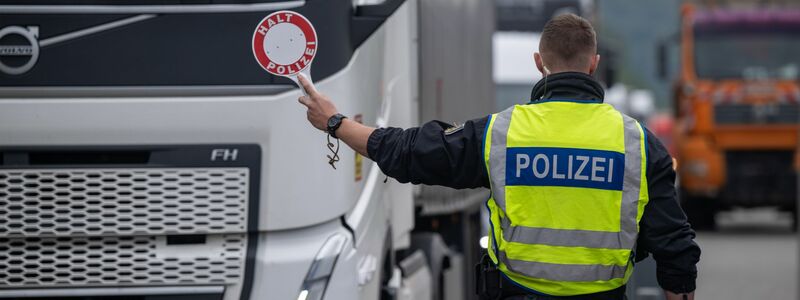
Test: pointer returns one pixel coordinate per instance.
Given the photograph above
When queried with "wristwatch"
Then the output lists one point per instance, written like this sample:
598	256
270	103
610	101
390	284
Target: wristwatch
333	123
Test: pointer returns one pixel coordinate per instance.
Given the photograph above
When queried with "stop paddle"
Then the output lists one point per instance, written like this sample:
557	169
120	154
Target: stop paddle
284	44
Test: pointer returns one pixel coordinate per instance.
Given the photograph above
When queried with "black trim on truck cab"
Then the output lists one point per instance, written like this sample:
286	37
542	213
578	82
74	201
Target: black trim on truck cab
133	54
367	19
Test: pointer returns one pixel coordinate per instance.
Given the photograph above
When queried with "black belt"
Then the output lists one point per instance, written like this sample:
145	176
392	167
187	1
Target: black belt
492	285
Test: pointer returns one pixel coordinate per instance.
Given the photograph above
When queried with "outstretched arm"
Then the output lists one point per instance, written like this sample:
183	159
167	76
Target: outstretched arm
435	153
320	109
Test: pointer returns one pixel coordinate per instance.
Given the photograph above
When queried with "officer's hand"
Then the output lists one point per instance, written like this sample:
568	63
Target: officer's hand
320	108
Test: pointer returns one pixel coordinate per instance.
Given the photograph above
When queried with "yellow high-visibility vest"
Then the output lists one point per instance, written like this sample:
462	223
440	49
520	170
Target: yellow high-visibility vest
568	190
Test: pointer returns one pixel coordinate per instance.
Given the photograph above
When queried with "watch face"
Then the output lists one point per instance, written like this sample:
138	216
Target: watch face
332	121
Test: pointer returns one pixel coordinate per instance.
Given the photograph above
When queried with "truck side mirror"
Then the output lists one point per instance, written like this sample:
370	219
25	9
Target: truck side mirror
368	15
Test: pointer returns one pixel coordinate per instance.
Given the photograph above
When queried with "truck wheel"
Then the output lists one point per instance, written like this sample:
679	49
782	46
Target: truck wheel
701	211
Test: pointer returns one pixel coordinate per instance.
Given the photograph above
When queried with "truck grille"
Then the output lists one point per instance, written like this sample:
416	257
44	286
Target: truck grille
62	227
122	202
730	113
759	178
131	260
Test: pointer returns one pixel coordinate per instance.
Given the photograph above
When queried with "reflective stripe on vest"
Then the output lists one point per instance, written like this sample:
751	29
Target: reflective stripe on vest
568	190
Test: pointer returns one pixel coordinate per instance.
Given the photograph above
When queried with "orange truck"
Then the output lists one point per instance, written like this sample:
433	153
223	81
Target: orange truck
737	110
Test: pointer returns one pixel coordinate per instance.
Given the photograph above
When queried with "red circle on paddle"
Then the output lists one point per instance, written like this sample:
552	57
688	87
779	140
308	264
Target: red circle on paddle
284	43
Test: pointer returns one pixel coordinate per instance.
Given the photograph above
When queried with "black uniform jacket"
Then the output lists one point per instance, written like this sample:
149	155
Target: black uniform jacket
429	155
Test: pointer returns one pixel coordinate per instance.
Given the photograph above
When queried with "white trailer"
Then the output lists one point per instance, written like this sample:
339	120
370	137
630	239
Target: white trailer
144	154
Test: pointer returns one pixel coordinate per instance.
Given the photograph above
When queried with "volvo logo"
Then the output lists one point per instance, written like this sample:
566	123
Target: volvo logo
19	49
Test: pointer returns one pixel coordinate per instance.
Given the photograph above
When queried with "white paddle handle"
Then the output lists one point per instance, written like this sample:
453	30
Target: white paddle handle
305	73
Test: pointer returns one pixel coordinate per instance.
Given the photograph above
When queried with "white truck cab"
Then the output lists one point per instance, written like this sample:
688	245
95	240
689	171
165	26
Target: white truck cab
145	155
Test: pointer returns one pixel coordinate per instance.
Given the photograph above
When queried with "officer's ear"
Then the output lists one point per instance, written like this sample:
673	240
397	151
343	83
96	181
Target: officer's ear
537	58
595	63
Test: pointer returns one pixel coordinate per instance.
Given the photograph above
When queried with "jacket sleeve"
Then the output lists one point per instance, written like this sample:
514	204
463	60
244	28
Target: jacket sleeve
433	154
664	230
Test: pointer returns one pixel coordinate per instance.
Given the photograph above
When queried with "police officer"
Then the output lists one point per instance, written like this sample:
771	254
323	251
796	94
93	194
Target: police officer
579	190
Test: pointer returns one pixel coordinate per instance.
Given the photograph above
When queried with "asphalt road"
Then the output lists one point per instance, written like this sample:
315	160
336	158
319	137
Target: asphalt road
753	255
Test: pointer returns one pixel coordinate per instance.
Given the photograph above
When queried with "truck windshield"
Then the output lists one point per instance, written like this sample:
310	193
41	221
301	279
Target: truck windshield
748	55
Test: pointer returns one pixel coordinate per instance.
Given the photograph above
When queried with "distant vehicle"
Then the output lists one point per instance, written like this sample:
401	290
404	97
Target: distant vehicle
145	155
527	15
515	72
737	112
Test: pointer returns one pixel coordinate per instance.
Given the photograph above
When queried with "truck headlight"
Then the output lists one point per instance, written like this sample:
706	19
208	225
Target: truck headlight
321	269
